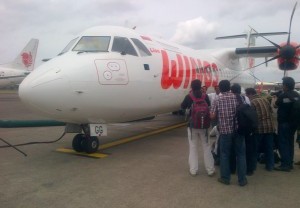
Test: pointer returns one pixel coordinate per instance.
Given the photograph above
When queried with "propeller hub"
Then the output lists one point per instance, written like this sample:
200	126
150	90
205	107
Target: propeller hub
287	52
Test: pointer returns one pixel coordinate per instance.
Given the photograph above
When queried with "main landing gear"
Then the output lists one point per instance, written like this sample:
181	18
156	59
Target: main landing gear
85	142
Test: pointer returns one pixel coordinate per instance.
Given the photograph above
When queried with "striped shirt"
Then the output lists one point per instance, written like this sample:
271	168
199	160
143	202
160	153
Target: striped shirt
225	109
264	114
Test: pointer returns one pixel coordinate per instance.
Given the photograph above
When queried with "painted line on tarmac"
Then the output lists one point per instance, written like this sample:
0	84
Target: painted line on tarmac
92	155
119	142
140	136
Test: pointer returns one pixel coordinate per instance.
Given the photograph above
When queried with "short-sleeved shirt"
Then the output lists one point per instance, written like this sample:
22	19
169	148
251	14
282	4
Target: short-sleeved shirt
225	108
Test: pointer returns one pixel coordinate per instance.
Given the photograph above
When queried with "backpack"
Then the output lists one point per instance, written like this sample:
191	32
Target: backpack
200	118
295	113
246	117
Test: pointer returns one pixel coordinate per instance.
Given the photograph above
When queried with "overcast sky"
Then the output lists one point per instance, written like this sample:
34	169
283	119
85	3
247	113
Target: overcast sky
194	23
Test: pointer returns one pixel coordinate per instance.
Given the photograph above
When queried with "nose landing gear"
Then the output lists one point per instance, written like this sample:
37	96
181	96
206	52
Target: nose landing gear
84	143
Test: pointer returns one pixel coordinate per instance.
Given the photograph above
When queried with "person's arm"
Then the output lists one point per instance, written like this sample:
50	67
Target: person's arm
186	103
213	109
278	101
207	100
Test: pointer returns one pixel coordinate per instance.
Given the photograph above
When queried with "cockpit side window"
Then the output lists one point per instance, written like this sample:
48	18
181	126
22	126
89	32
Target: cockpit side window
141	47
123	45
93	44
68	47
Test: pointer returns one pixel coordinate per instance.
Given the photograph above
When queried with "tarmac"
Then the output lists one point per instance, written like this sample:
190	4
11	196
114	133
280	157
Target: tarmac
149	172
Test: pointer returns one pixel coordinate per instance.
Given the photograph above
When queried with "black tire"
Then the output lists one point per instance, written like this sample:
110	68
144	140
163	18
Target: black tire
91	144
77	143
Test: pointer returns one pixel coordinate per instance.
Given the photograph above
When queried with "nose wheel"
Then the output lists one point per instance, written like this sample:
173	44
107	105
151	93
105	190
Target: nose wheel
83	143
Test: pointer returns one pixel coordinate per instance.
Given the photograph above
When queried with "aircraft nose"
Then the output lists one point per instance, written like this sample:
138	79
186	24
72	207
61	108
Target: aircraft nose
43	91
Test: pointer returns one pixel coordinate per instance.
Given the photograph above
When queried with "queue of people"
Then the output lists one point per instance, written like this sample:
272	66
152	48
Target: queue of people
238	151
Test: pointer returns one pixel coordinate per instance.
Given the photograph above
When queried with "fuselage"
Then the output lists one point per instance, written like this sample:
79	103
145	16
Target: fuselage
114	74
11	77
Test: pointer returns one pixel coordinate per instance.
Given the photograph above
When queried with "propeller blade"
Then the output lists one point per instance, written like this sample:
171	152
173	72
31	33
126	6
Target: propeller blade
271	59
289	37
274	44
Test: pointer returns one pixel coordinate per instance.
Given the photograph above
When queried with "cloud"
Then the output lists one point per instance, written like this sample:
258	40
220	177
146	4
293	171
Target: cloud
196	33
55	22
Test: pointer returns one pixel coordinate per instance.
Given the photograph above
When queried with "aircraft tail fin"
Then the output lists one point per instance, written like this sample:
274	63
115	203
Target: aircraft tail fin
26	59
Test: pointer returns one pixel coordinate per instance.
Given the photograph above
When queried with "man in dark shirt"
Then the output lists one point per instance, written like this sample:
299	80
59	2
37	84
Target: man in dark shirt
286	129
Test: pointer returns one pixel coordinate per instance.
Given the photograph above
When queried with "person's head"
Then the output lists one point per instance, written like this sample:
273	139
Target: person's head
203	89
224	86
196	85
236	88
217	89
250	92
288	83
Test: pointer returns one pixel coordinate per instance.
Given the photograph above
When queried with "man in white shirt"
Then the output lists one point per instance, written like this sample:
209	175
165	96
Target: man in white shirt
213	96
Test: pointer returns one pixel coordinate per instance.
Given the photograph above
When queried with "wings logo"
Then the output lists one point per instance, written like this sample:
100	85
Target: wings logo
207	72
27	59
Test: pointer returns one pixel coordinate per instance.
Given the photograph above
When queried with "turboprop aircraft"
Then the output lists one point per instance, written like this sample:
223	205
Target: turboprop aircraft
13	73
110	74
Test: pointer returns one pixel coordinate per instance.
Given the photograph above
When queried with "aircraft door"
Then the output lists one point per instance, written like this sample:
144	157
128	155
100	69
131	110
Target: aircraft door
112	72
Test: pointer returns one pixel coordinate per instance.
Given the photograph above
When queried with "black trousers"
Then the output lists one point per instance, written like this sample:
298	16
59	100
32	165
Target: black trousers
251	153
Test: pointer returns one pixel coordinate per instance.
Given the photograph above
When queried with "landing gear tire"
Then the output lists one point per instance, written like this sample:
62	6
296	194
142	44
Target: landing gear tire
78	141
91	144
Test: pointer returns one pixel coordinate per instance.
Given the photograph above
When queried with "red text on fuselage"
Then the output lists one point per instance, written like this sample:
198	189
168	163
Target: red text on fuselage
207	73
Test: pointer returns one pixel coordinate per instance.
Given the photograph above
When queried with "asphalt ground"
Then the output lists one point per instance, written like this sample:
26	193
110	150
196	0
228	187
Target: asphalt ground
149	172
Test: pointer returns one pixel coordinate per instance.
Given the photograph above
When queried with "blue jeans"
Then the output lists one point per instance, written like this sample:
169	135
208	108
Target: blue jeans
266	142
226	141
286	144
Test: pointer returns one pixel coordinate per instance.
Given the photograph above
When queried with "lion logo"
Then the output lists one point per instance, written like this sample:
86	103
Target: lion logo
27	59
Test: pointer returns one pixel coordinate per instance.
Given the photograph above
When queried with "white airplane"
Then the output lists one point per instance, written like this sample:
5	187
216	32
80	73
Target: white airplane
13	73
112	74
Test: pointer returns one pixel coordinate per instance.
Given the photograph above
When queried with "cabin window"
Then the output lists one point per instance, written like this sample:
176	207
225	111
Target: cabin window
93	44
123	45
68	47
143	50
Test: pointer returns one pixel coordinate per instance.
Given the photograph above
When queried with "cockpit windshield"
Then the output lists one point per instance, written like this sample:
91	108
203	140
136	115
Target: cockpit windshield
67	48
93	44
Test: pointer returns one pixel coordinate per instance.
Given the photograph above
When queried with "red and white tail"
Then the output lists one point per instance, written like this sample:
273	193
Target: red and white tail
26	59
